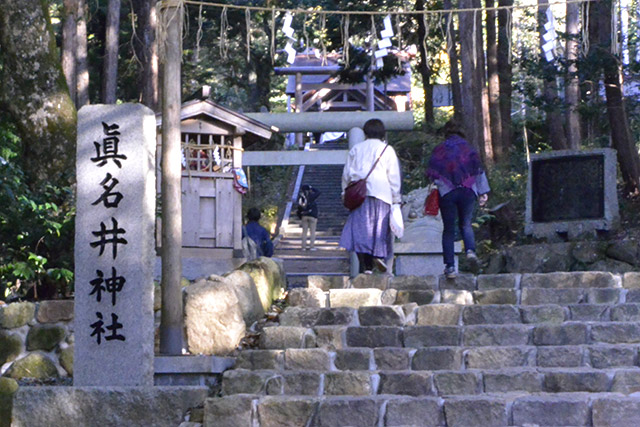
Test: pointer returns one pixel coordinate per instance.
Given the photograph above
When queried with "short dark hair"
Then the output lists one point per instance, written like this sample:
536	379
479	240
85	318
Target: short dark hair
253	214
374	128
453	127
305	187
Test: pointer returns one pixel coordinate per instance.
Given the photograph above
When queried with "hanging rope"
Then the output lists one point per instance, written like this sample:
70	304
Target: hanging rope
474	55
370	12
400	40
305	35
199	33
247	20
585	28
345	38
615	40
224	24
509	34
323	27
272	47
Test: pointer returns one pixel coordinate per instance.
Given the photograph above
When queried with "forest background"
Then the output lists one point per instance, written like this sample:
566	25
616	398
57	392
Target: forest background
58	55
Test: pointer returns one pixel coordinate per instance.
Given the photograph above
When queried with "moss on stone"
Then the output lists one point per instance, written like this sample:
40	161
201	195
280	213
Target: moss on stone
8	388
17	314
10	347
34	365
66	359
44	337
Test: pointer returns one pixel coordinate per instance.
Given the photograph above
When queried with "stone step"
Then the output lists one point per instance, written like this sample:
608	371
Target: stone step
318	381
367	307
595	356
500	409
343	336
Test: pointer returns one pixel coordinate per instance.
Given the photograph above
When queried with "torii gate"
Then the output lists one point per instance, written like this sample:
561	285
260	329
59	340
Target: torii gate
171	18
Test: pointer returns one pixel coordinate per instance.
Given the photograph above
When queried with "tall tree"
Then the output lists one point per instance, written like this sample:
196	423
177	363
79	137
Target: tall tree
505	74
572	83
70	14
600	41
456	89
474	91
82	59
147	51
423	65
110	70
493	79
552	107
33	93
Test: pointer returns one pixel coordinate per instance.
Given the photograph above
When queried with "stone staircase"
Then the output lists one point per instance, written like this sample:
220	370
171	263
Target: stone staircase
556	349
329	259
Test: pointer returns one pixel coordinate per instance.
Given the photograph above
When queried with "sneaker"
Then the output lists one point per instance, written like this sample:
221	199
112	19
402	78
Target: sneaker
368	272
472	259
380	264
450	272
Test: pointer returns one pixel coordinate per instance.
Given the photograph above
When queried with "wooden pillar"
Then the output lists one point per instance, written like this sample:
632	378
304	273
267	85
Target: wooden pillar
299	105
171	320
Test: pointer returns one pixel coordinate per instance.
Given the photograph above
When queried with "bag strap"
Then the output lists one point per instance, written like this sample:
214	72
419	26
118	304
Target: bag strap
376	162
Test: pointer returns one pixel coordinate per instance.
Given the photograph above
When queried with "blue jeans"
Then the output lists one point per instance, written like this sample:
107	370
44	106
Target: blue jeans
459	204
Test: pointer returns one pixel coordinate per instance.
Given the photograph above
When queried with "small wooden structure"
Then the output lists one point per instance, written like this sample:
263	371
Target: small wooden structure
212	139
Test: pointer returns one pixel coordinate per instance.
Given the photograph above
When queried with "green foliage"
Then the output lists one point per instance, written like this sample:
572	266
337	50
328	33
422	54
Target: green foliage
36	230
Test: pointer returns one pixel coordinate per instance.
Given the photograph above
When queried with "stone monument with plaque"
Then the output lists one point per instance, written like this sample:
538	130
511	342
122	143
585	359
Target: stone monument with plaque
114	246
572	192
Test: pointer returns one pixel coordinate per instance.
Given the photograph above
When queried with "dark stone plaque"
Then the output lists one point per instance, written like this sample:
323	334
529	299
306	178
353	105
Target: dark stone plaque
567	188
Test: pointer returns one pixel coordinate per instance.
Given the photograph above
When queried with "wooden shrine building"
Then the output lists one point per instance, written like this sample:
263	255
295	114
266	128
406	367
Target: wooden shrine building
212	139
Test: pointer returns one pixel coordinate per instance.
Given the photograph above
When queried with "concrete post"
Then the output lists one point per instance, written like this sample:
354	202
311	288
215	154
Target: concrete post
299	105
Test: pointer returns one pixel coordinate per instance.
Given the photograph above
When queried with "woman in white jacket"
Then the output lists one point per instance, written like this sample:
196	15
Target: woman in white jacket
367	231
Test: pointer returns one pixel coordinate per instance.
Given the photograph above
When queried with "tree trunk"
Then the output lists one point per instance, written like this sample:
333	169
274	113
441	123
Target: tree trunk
494	83
481	81
110	73
456	89
82	61
472	80
621	138
423	66
69	45
33	93
505	75
147	51
554	114
572	84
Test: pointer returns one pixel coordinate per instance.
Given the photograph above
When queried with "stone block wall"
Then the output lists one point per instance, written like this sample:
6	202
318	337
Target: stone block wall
36	339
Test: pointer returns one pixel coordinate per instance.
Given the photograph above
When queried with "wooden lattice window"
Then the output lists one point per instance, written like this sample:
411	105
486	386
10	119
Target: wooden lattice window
207	153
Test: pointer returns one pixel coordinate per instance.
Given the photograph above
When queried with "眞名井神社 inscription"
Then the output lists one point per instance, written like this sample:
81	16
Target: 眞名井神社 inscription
114	251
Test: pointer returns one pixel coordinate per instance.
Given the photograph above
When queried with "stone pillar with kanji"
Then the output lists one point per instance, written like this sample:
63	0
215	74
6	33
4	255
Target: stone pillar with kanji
114	246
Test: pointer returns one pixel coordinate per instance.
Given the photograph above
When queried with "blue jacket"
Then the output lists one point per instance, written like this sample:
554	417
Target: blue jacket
260	235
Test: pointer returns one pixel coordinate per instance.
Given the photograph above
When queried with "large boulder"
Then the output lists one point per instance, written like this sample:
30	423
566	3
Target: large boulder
213	317
268	276
34	365
247	293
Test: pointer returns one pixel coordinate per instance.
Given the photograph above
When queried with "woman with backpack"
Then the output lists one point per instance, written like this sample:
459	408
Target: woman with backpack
308	215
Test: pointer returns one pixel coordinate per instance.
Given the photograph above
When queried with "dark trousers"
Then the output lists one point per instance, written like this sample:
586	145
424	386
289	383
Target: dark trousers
459	204
365	261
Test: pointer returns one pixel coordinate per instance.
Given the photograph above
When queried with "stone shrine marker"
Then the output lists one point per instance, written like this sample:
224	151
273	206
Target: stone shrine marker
571	192
114	246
